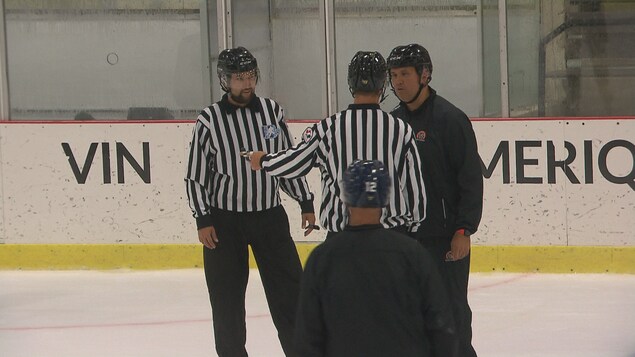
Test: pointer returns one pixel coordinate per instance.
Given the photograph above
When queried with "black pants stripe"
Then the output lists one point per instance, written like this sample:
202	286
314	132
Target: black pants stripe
227	272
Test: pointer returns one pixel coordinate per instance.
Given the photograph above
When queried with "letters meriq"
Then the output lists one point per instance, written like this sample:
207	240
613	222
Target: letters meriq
502	154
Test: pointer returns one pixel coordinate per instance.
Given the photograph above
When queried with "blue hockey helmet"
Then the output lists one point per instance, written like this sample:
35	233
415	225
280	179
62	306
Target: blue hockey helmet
366	184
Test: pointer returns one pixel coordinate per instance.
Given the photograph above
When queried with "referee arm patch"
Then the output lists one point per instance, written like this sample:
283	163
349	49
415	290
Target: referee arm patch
307	135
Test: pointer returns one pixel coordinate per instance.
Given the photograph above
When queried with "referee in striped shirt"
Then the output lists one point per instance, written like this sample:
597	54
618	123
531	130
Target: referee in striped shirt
235	207
361	132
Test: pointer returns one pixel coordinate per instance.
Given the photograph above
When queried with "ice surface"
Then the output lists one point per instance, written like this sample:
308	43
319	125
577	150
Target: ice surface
167	313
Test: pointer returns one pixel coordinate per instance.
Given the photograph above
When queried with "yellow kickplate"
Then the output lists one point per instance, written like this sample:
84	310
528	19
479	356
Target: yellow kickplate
545	259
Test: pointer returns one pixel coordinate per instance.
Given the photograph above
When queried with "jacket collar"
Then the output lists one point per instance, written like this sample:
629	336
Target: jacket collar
363	106
364	227
423	106
227	107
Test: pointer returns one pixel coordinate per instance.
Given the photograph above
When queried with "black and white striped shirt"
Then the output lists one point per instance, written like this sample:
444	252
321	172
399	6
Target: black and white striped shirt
362	132
217	176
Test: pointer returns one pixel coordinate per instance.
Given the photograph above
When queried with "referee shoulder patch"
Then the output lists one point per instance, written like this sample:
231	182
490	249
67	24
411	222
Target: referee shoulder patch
307	135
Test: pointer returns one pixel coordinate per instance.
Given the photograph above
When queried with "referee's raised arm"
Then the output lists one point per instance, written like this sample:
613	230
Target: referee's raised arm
361	132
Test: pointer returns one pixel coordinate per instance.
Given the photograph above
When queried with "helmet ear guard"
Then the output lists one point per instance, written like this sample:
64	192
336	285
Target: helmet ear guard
366	184
236	61
224	79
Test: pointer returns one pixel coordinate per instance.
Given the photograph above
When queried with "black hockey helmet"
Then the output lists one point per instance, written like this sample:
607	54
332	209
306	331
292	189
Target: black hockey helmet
366	183
412	55
235	61
367	72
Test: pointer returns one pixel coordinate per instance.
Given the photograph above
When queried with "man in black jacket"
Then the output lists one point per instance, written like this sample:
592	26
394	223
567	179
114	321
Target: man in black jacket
451	172
371	291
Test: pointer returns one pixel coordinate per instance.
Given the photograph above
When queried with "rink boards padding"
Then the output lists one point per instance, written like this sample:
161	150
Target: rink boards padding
544	259
549	182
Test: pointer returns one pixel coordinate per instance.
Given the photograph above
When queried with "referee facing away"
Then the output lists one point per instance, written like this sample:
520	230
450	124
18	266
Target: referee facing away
235	207
361	132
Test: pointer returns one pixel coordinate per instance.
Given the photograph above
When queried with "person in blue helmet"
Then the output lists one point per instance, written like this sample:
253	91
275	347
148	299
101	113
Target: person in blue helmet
372	291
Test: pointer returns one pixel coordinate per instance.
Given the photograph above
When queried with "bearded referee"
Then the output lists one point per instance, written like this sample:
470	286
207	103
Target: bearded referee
235	207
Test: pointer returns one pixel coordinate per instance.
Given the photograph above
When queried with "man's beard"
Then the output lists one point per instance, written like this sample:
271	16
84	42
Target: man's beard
242	98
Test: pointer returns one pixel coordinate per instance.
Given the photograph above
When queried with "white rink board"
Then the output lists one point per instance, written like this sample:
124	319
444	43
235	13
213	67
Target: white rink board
593	213
42	201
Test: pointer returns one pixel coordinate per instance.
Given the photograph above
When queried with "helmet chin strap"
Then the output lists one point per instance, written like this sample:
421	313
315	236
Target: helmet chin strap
421	86
383	95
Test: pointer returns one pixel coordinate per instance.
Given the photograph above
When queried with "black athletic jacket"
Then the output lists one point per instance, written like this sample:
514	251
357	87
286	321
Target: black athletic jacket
451	166
370	291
